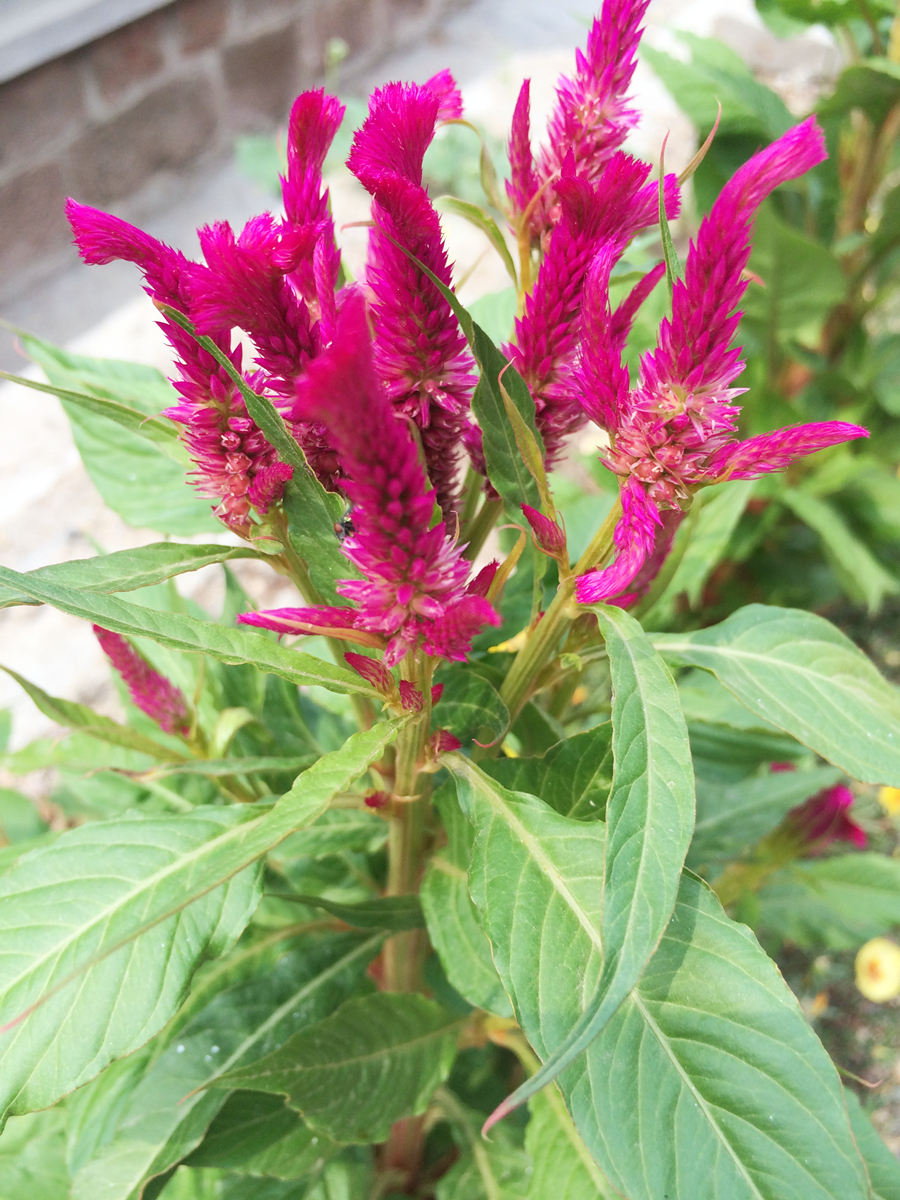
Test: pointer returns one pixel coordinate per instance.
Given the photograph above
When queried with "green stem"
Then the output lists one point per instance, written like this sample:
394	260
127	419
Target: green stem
539	648
476	534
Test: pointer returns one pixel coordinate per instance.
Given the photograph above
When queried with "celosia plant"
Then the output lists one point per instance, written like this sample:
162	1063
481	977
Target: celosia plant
442	822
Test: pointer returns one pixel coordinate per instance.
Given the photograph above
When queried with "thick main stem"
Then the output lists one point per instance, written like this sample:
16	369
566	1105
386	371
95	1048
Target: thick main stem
539	648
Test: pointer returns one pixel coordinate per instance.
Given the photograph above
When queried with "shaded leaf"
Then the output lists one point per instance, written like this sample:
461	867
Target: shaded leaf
563	1167
382	912
573	777
470	706
102	931
883	1168
377	1059
708	1081
454	923
33	1157
798	672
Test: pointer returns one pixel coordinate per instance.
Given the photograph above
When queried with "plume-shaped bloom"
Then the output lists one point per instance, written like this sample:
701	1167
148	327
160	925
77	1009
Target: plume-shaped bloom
591	119
676	431
233	460
420	350
823	819
308	250
414	586
151	692
548	334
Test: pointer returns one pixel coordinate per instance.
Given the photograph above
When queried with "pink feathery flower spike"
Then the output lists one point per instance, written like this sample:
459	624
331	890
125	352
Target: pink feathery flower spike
825	818
548	334
151	692
414	589
591	119
420	350
308	226
234	462
676	431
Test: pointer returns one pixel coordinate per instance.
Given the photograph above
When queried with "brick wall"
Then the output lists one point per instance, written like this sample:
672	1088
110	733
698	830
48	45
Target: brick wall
163	95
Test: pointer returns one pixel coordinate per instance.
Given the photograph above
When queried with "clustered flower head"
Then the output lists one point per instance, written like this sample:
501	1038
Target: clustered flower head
676	430
153	694
415	589
374	380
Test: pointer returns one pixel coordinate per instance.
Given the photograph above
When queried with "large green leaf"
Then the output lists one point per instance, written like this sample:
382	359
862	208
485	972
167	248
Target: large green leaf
836	903
126	570
454	924
377	1059
731	817
883	1168
562	1165
180	632
798	672
862	575
101	932
135	477
33	1157
166	1115
650	816
708	1082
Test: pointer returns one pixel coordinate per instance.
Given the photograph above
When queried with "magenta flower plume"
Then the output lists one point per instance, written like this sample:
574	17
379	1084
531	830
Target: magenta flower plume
825	818
308	226
591	119
676	431
233	460
414	586
420	351
548	335
151	692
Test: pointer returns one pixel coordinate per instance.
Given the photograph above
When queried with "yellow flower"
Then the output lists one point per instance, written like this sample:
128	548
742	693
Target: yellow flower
878	970
889	799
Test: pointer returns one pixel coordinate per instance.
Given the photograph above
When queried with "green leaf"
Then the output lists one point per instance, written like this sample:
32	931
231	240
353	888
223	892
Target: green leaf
126	570
102	931
454	924
33	1157
862	575
19	819
495	313
481	220
384	912
721	508
708	1081
836	902
180	632
873	86
883	1168
650	816
730	818
718	75
495	1169
563	1166
133	475
79	716
470	706
377	1059
160	430
505	466
574	776
337	831
257	1134
803	283
166	1115
798	672
215	767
